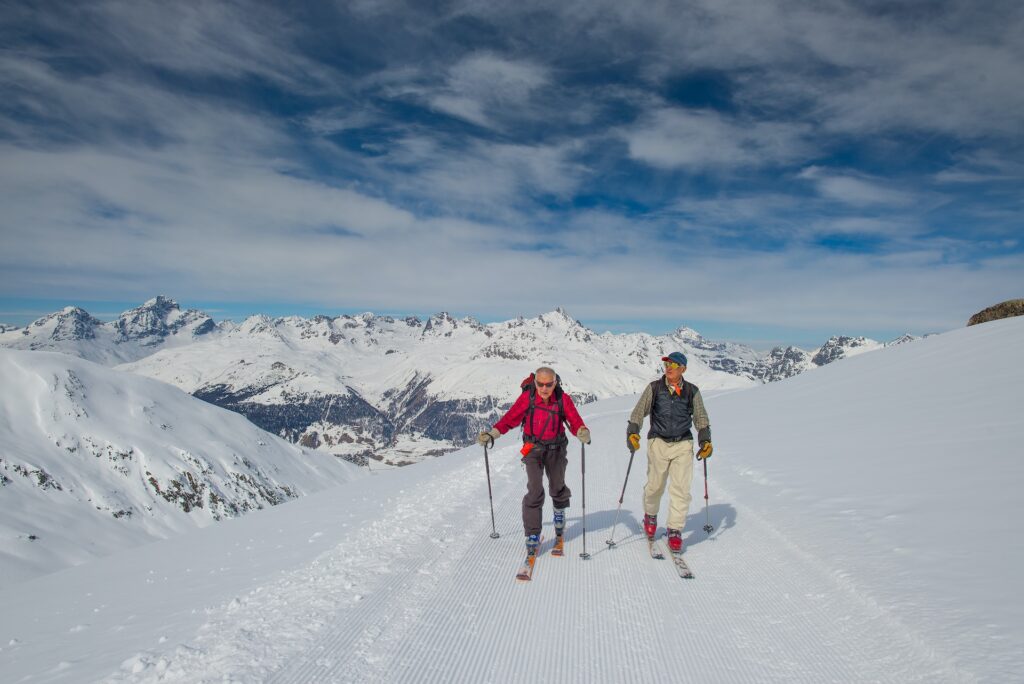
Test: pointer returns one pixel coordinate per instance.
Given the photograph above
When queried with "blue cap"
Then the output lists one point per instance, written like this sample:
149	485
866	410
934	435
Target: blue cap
678	357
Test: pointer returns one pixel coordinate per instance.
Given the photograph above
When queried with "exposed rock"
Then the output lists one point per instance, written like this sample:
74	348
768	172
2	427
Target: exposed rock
1007	309
835	348
781	364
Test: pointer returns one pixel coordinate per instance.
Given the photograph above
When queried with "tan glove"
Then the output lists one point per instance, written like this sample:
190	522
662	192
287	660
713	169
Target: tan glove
632	437
487	437
633	442
705	450
583	434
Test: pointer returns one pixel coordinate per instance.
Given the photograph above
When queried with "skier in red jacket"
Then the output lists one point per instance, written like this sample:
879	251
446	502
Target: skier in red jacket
542	409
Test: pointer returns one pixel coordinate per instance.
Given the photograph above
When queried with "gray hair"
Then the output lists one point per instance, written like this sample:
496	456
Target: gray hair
546	371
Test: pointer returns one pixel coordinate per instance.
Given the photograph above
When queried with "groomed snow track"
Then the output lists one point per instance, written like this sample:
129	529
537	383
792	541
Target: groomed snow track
422	594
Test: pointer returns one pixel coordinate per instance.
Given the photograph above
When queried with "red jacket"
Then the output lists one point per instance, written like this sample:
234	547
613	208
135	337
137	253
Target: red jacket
545	417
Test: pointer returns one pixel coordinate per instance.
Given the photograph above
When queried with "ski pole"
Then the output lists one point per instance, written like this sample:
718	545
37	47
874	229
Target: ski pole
490	496
707	516
611	540
583	471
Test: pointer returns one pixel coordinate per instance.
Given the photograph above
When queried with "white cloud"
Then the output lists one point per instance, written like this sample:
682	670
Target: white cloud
855	190
481	177
482	87
678	138
220	39
982	166
114	184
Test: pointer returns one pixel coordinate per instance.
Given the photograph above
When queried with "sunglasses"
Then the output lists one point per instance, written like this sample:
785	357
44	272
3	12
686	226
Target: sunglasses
545	385
672	364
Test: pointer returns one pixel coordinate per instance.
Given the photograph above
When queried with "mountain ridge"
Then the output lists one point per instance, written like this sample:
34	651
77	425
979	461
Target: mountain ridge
392	389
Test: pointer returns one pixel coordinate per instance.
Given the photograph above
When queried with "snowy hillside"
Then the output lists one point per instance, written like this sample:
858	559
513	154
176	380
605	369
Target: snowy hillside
93	460
866	530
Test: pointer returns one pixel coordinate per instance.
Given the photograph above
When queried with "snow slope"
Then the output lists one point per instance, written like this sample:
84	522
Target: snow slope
93	460
866	530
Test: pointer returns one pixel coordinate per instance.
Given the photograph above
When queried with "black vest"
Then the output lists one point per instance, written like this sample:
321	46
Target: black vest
671	414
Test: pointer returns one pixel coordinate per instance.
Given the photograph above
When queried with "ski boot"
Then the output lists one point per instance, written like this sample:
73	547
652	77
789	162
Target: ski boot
559	548
525	573
650	526
675	540
532	543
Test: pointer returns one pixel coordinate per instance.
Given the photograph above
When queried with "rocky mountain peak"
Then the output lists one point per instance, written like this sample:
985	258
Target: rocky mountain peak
69	324
559	317
257	325
441	323
695	339
782	363
160	303
159	317
902	339
836	348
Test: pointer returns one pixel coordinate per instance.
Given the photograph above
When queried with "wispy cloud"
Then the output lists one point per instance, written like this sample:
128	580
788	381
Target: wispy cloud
820	165
676	138
856	189
482	88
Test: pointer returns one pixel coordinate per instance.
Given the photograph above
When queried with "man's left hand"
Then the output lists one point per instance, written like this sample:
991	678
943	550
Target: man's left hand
583	434
705	450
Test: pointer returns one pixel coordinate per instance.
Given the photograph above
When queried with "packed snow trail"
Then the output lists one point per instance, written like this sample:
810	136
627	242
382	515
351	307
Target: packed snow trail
422	594
853	542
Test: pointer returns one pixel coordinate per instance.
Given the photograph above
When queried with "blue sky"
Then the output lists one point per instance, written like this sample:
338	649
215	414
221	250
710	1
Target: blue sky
763	171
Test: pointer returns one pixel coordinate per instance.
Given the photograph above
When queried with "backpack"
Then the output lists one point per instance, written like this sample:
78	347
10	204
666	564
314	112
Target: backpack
529	384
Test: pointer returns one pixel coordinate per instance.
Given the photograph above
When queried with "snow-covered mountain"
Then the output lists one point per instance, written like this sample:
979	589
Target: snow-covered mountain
781	363
858	537
134	334
401	389
397	389
93	460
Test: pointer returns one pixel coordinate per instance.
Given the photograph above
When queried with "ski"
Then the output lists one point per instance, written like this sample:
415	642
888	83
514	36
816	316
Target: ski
559	548
656	553
681	567
525	573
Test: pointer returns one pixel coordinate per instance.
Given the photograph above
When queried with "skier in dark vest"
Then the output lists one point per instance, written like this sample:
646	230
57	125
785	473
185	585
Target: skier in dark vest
542	409
674	406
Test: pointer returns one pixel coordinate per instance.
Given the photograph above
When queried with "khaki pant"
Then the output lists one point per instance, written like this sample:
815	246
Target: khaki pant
671	462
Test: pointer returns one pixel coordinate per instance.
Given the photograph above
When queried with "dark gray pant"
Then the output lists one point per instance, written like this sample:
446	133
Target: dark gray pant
544	459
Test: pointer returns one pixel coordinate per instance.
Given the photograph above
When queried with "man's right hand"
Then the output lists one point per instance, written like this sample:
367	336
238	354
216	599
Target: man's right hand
632	437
